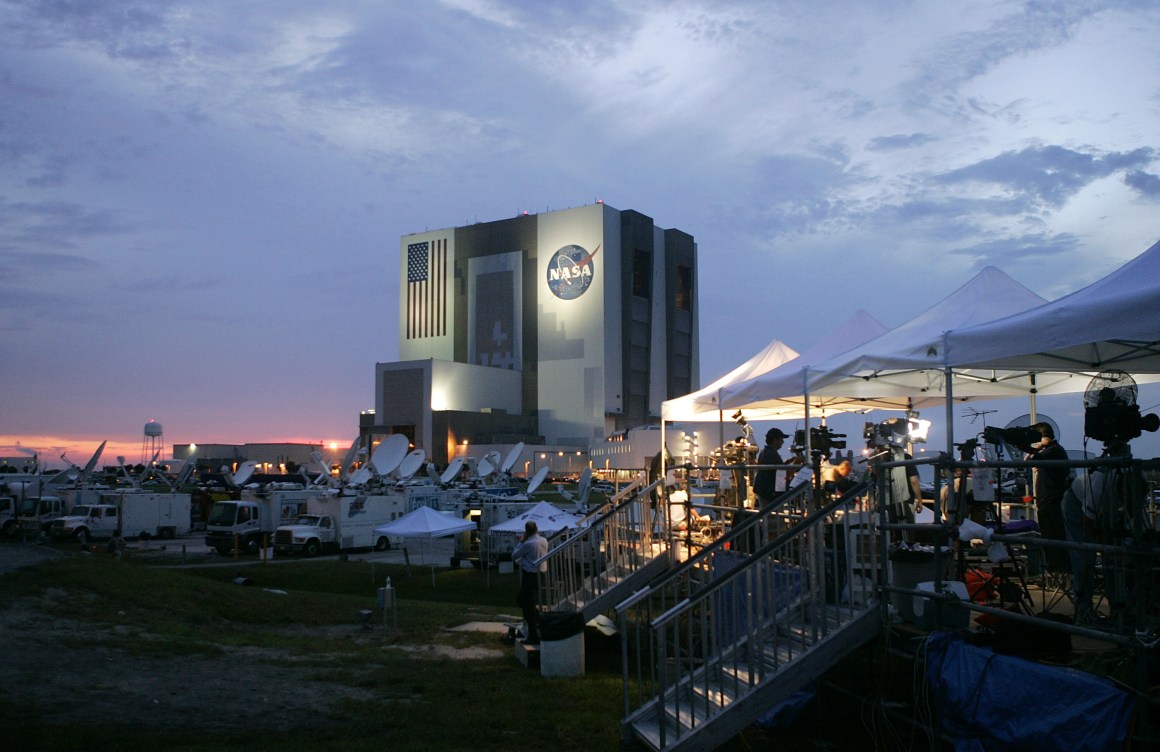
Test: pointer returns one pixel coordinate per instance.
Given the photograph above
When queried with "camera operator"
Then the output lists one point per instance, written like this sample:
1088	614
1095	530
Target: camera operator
1050	485
769	483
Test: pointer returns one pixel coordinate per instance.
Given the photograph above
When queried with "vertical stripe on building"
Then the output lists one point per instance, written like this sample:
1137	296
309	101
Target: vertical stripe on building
426	289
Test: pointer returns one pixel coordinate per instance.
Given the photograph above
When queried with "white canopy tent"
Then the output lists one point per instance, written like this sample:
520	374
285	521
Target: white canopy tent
1112	323
549	518
425	523
701	405
777	395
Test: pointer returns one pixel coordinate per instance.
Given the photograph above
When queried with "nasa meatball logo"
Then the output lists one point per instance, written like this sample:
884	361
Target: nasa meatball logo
570	271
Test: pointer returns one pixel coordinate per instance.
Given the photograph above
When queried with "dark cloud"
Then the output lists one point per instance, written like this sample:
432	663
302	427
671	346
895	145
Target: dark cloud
1006	252
900	141
54	224
1046	174
1145	183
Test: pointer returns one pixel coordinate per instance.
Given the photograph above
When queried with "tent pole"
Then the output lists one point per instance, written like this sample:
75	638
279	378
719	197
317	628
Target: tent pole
949	376
1034	416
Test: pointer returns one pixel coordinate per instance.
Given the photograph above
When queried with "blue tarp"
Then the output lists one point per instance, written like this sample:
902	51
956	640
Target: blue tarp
991	702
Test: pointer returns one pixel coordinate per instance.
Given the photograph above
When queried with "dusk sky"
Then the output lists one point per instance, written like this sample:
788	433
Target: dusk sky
201	203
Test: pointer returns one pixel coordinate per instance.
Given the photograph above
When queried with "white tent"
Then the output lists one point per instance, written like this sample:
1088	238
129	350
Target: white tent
701	405
548	518
1112	323
906	365
425	522
777	394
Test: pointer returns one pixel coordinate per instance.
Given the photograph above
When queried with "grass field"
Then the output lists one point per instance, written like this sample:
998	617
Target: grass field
303	615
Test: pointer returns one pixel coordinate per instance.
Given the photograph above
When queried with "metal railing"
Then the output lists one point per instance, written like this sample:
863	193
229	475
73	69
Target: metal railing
712	632
613	543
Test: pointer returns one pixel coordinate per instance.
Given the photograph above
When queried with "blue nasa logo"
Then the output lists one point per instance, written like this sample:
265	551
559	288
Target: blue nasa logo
570	271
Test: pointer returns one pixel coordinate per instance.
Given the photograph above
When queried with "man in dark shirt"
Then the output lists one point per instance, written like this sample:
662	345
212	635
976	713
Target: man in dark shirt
765	482
1050	485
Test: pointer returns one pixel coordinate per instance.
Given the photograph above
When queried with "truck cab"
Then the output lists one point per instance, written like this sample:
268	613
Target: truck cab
8	524
36	514
240	522
310	535
86	522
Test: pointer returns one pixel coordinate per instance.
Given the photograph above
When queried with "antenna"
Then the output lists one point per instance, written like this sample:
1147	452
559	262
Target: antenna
452	470
512	457
411	464
487	466
390	453
974	414
537	479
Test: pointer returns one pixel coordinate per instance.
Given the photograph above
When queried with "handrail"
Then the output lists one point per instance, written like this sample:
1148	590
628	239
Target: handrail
737	531
813	520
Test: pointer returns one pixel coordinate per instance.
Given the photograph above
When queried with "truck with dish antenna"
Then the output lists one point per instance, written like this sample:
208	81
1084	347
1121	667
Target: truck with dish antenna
345	518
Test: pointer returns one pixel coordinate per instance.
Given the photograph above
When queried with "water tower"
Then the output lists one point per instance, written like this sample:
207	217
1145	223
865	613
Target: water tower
152	442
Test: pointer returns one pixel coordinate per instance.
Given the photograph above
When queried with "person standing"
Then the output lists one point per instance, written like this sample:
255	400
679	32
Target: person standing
769	482
527	557
1050	485
1082	504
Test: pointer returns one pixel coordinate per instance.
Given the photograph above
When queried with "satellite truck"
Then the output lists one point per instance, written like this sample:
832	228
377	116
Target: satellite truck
128	514
339	523
251	519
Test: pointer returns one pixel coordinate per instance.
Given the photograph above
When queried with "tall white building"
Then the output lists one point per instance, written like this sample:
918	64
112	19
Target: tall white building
553	329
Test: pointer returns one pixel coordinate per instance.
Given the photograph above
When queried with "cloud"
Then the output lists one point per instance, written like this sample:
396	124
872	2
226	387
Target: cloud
1045	175
893	143
1145	183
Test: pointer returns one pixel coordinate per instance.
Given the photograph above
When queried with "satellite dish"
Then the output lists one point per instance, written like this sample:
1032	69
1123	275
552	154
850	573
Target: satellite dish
348	460
537	479
512	457
585	485
411	464
360	476
244	472
488	465
452	470
390	453
1024	421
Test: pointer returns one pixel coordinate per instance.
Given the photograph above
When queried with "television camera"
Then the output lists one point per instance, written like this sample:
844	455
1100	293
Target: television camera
1020	437
895	432
822	440
1114	419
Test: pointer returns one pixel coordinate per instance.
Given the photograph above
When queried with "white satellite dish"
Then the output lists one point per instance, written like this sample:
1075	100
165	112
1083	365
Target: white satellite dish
452	470
512	457
360	476
537	479
390	453
488	465
411	464
585	485
244	472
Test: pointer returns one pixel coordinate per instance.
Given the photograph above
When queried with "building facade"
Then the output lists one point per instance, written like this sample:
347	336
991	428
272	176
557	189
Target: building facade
554	329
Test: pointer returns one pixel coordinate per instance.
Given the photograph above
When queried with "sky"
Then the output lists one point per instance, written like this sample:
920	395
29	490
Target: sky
201	203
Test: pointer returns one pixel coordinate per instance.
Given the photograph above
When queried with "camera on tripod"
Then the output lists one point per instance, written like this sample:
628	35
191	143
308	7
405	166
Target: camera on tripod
822	439
1020	437
1112	419
895	432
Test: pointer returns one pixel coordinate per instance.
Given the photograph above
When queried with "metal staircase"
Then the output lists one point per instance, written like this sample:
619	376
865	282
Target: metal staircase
749	620
618	548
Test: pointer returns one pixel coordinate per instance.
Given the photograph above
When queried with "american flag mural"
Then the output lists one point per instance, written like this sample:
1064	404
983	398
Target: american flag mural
427	289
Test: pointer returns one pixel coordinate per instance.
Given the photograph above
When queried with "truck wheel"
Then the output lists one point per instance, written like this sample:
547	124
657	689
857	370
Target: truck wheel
382	544
311	548
10	529
251	545
82	536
